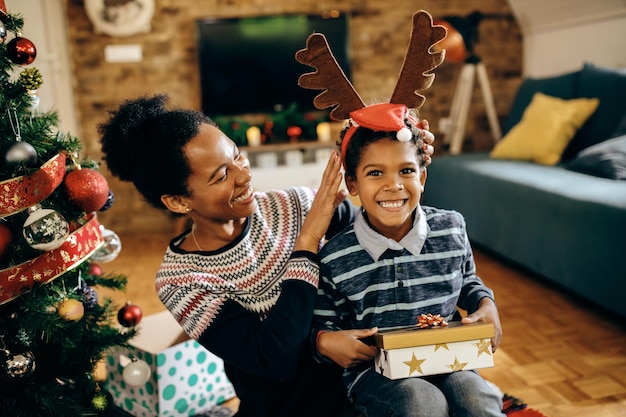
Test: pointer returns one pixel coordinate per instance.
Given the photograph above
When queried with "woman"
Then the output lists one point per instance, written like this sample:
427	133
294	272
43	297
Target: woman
242	281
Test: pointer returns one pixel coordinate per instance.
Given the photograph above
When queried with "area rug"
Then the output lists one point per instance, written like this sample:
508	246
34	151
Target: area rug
513	406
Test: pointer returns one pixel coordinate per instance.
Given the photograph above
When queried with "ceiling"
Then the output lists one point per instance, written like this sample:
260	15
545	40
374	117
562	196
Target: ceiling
538	16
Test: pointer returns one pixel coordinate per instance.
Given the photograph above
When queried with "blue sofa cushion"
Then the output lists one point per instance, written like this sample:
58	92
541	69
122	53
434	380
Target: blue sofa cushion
606	159
608	85
561	86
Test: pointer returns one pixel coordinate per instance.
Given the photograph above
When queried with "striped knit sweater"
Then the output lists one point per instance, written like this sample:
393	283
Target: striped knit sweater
357	292
251	302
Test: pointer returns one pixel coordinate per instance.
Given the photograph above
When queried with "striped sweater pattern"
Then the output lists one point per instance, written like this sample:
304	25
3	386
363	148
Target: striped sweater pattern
193	286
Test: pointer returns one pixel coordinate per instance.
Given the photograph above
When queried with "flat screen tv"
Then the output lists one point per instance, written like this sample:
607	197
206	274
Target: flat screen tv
248	65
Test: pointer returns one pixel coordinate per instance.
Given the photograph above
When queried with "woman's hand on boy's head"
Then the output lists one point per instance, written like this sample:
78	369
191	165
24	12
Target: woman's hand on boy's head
317	221
487	313
429	139
342	194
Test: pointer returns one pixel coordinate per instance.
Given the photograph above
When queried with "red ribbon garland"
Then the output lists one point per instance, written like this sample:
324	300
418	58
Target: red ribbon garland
78	247
18	194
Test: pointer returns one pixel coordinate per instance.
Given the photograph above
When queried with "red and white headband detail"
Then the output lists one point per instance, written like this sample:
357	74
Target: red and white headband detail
383	117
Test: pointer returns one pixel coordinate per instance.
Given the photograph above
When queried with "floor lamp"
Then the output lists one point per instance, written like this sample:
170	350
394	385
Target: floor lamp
465	29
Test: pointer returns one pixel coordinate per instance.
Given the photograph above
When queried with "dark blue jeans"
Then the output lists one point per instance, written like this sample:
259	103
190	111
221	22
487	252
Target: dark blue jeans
459	394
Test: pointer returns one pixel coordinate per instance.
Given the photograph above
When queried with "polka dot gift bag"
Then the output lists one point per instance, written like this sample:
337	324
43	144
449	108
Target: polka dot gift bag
164	374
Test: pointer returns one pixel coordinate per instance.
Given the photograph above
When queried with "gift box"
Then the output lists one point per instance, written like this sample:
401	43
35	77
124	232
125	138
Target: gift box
185	378
412	351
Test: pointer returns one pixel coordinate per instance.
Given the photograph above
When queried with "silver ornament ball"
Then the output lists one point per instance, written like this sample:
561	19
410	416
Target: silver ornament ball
21	153
136	373
110	249
20	365
45	229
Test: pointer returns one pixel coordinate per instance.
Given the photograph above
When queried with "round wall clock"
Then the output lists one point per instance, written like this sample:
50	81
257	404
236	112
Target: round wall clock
120	17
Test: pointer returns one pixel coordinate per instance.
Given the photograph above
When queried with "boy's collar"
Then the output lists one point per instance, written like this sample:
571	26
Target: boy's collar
376	244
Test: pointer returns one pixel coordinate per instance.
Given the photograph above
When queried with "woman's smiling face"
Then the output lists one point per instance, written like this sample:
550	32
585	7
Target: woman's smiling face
389	182
219	185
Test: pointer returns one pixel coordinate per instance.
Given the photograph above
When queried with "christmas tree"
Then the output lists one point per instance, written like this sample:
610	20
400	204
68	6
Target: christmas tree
54	329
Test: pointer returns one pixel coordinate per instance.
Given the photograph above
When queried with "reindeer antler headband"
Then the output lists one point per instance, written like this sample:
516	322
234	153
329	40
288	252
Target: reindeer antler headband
340	93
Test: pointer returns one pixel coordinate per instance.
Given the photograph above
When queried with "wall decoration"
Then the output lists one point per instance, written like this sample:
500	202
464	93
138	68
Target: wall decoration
120	17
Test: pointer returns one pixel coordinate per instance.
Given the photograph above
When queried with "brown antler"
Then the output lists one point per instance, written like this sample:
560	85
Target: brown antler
419	61
338	91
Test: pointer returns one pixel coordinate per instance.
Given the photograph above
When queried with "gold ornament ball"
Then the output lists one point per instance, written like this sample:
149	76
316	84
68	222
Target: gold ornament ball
100	401
71	310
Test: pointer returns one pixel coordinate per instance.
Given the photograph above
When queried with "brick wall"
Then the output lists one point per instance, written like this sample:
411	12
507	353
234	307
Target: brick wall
379	34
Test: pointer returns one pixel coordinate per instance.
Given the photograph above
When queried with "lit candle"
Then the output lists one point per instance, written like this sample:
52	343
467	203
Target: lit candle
253	134
323	132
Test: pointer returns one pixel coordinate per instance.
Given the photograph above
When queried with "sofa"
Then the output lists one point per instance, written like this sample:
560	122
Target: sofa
553	206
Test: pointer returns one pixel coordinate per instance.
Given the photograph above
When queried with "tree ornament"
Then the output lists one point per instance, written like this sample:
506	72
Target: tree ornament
45	229
24	337
129	315
102	400
34	100
21	153
21	51
3	32
31	79
5	238
111	247
95	269
90	296
19	365
109	202
86	188
136	373
71	309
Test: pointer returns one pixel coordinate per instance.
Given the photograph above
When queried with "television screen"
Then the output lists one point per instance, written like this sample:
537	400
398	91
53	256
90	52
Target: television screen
248	65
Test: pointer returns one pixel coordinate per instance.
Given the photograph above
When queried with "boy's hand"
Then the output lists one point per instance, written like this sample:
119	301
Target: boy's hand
345	348
487	313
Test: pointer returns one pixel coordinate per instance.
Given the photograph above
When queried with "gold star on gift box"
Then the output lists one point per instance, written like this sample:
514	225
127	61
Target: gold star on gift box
415	364
483	347
442	346
456	365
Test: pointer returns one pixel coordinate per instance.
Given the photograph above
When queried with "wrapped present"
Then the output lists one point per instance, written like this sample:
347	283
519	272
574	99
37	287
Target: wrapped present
185	378
414	351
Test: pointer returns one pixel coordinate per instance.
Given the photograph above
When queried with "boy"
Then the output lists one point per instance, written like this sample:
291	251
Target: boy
397	261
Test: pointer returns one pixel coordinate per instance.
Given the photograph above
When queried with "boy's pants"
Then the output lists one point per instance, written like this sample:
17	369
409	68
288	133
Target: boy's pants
459	394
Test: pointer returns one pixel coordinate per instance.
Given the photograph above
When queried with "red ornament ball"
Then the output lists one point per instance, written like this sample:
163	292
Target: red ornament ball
95	269
21	51
5	238
86	188
129	315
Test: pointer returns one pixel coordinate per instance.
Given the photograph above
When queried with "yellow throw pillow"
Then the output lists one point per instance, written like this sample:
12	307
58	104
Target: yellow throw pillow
547	126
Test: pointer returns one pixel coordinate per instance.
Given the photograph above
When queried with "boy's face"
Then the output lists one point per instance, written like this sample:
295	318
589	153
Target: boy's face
389	183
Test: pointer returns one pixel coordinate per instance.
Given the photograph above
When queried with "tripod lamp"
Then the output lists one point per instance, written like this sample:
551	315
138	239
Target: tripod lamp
459	46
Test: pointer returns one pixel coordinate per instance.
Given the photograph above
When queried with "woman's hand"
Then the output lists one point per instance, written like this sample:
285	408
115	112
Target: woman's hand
326	199
487	313
345	348
429	139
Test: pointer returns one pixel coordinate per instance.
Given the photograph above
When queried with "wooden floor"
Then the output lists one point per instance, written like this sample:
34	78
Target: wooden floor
558	354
